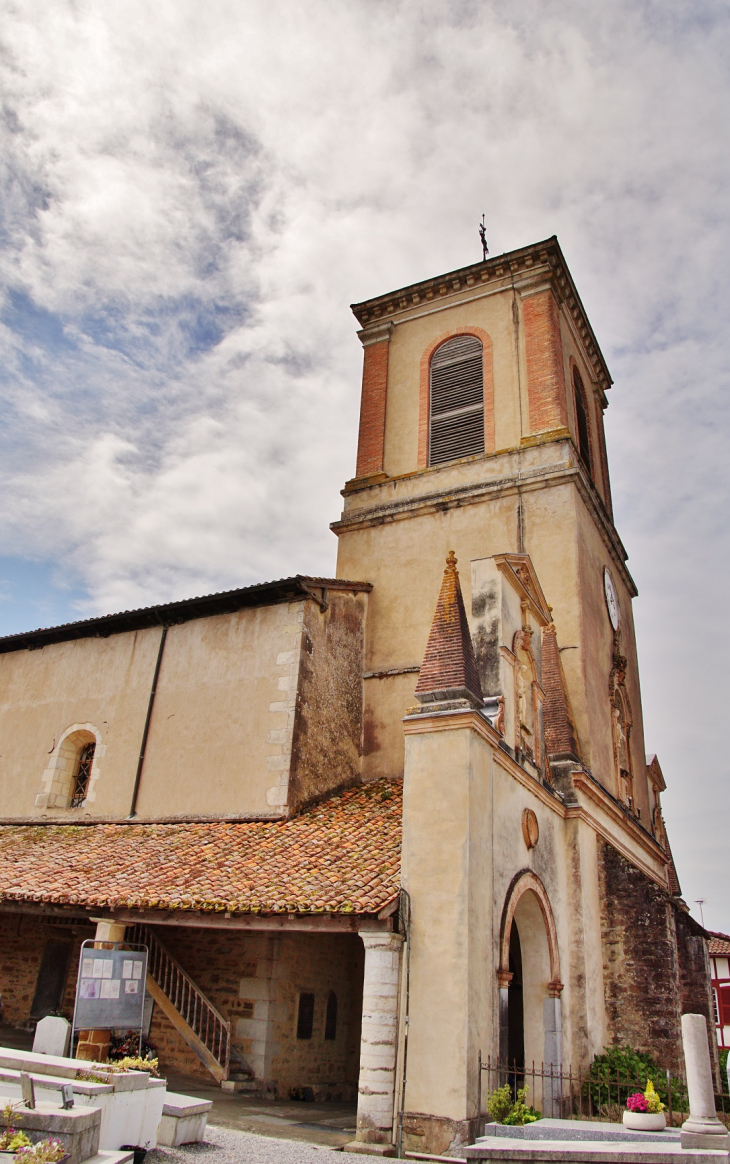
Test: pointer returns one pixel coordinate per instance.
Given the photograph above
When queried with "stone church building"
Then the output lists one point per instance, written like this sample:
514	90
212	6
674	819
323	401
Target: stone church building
416	791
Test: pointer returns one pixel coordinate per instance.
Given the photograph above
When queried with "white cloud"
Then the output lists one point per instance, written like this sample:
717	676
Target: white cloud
192	196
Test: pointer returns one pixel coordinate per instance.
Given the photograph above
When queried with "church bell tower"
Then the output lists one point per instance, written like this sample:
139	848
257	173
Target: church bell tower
481	431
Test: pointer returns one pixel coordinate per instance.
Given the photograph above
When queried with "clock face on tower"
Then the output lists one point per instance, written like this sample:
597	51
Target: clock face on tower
611	599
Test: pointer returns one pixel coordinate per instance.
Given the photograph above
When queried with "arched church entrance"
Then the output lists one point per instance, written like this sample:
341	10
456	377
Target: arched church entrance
530	988
515	1012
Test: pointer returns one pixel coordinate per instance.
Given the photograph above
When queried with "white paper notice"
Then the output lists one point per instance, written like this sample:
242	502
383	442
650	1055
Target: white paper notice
89	988
106	988
137	970
98	967
108	968
114	988
131	987
127	965
87	968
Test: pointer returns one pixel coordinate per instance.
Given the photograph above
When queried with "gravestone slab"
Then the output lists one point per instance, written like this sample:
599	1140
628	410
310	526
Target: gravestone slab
52	1036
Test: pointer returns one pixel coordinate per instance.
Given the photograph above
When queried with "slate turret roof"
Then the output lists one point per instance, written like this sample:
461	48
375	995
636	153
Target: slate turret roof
449	668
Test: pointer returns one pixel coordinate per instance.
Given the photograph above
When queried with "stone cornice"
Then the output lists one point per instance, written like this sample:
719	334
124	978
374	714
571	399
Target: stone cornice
437	500
446	721
515	268
609	811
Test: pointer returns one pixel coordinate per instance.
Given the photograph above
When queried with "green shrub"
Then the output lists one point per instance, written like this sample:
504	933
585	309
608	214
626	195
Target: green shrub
502	1108
620	1071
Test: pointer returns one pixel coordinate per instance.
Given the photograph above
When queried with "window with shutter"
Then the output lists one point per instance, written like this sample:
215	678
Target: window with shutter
457	400
724	993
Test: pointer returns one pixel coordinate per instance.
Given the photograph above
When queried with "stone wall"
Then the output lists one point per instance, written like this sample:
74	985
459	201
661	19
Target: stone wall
654	967
327	736
22	941
254	979
173	1052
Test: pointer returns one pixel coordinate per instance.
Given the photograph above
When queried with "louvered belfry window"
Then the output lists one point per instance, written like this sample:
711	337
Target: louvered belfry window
457	400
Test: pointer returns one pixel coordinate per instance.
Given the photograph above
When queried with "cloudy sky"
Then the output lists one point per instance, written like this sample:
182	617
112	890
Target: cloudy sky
192	194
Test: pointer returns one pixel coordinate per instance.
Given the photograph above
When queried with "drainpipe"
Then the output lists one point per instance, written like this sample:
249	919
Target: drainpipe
145	733
404	919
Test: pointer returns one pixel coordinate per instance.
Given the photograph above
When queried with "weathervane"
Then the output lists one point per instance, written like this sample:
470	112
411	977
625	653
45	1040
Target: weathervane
483	238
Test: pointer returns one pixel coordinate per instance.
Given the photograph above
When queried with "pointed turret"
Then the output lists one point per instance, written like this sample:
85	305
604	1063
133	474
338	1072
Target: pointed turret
561	738
449	669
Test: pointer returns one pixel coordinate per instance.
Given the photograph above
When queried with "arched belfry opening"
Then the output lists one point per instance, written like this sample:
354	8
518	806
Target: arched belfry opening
529	986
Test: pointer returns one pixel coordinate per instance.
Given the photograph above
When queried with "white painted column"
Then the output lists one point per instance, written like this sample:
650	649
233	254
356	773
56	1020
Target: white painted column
379	1039
703	1129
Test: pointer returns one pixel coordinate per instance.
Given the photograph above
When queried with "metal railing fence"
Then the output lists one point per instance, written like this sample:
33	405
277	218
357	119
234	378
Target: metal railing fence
594	1094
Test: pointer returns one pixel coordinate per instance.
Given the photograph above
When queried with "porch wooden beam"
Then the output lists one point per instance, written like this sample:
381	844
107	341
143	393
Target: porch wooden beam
285	923
291	923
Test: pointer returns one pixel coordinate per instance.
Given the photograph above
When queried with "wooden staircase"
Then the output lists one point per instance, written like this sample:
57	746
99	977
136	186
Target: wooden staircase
193	1016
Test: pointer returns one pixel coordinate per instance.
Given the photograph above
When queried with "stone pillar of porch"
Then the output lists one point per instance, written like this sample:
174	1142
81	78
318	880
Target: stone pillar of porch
94	1045
378	1044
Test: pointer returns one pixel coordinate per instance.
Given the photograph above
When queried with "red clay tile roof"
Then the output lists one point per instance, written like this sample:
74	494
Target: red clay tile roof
719	944
449	666
343	856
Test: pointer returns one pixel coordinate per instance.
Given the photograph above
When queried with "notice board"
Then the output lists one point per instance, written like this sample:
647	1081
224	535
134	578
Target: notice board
110	990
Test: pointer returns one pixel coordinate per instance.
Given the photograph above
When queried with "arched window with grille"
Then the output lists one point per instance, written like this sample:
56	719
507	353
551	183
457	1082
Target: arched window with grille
581	418
456	426
82	775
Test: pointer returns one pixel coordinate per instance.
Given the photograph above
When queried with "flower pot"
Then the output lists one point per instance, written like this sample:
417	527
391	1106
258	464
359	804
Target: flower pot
139	1152
645	1121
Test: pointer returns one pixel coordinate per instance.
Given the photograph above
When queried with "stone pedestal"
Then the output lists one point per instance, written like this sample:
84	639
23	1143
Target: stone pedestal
94	1045
378	1045
183	1120
703	1129
77	1129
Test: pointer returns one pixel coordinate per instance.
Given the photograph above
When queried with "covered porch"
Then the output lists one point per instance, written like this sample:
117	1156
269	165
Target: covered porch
274	961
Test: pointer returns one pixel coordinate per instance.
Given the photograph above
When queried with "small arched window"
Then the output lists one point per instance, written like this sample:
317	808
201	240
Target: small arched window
330	1022
82	775
581	417
457	400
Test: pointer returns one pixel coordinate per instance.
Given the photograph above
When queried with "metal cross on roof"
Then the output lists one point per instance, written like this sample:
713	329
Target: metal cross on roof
483	238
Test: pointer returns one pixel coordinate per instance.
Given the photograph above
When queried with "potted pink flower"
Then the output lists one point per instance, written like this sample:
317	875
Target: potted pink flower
645	1112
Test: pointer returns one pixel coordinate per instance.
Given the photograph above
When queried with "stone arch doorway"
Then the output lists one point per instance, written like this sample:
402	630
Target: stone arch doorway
529	985
515	1011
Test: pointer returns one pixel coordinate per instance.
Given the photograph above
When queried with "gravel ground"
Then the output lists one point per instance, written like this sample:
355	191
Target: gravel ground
226	1146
